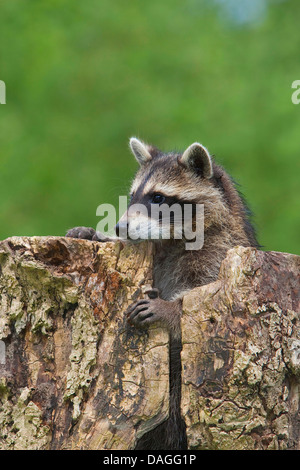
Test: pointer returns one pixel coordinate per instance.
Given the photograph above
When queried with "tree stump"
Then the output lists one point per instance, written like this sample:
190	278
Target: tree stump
75	375
241	354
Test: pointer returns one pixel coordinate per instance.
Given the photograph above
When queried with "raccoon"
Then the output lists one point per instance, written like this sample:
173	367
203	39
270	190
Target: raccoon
190	178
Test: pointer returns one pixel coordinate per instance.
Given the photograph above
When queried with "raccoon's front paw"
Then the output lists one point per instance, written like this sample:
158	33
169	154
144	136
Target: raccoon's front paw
145	312
85	233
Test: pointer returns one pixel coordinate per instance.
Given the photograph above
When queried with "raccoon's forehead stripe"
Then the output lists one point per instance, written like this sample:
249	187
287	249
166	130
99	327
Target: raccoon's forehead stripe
135	185
138	183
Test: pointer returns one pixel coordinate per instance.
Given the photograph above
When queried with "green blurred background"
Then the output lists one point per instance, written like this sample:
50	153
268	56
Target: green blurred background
82	77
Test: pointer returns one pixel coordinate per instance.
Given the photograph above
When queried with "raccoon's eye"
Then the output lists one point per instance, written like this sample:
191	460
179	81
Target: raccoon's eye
158	198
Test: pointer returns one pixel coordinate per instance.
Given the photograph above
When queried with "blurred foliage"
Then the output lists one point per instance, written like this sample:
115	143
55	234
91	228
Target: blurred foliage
82	77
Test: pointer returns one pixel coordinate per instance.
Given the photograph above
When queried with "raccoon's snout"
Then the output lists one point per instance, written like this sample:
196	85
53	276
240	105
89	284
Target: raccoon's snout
121	227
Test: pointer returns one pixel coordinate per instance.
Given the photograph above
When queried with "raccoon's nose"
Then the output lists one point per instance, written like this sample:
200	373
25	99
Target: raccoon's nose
121	228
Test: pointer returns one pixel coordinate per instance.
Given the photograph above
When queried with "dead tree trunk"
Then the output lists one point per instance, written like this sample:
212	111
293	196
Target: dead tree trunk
241	354
74	375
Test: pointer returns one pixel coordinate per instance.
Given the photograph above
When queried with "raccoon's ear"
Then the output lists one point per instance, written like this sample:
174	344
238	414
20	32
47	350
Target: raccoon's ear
196	158
140	151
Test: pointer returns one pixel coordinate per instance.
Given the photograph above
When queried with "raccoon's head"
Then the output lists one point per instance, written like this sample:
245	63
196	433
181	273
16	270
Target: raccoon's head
166	192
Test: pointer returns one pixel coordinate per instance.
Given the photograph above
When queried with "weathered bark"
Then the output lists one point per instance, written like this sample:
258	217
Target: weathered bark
74	375
241	354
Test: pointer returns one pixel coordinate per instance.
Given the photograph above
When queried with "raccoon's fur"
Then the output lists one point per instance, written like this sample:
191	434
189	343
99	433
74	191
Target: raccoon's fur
191	177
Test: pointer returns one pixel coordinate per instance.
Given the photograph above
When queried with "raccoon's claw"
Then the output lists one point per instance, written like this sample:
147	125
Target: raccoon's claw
146	312
86	233
99	237
139	314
